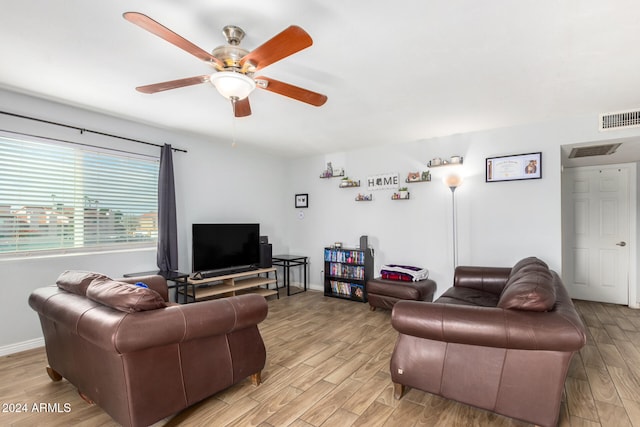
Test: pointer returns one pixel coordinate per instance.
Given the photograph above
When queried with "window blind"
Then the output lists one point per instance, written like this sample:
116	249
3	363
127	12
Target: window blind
63	197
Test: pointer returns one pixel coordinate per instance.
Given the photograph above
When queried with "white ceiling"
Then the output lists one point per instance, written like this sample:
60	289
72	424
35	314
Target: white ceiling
394	71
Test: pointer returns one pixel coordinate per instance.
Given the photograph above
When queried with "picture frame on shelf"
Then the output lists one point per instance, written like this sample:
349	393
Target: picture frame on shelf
302	200
414	177
513	167
418	176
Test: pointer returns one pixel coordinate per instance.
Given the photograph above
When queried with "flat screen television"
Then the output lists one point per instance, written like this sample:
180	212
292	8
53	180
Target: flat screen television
220	247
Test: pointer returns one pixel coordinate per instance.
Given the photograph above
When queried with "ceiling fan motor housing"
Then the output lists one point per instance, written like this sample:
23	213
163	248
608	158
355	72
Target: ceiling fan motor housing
230	56
232	53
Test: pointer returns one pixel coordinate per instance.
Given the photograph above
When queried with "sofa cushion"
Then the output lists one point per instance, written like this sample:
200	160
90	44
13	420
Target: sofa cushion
531	289
468	296
77	281
124	296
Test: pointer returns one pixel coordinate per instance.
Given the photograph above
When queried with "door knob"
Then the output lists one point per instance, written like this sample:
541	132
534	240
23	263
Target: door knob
621	243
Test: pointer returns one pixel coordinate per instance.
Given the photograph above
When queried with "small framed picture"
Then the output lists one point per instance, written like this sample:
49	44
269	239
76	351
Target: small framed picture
302	200
514	168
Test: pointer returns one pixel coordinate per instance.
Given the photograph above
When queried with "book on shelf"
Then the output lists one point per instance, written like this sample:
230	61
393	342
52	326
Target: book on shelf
357	291
340	288
352	290
346	271
344	256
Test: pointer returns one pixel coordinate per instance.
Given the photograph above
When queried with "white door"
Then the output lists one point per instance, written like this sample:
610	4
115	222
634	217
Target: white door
596	233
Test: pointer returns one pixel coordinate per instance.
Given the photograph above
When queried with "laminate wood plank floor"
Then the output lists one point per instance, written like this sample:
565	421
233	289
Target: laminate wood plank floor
328	365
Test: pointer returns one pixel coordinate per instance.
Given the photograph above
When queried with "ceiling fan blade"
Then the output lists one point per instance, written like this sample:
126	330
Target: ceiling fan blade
288	42
173	84
163	32
241	107
295	92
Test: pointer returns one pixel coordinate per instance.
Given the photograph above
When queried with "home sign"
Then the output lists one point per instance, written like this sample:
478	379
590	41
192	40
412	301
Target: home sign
388	181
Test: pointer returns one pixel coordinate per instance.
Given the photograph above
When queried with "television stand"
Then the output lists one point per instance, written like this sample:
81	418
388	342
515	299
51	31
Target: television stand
231	284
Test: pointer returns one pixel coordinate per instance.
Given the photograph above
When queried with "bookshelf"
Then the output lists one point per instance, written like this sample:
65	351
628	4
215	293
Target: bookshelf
346	271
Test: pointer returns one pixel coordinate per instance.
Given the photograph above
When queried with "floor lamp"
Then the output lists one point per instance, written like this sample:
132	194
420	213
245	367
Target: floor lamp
454	181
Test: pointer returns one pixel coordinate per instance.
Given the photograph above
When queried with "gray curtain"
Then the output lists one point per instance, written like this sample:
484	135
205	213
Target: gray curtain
167	256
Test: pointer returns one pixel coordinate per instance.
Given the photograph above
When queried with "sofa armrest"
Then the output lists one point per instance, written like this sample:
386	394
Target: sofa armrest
228	315
487	279
488	326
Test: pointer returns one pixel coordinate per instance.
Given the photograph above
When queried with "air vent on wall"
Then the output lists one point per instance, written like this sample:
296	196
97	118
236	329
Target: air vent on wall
594	150
619	120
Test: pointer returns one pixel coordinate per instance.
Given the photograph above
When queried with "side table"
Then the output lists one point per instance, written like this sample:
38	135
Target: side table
177	278
288	261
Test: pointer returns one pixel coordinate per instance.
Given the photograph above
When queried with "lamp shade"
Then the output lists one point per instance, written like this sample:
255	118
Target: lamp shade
452	181
232	85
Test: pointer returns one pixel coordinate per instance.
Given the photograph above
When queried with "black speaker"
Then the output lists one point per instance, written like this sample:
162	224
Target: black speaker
364	242
265	255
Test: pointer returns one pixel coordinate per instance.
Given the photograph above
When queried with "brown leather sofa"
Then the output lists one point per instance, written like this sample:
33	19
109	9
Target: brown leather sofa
140	358
500	339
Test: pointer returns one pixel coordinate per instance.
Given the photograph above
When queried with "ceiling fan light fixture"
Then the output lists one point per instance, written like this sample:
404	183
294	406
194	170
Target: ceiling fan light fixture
231	84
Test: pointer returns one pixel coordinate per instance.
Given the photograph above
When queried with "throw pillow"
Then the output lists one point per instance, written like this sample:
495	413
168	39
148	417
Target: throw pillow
77	281
124	296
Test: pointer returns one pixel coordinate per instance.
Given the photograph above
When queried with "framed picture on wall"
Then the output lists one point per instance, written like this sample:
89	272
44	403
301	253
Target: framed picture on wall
514	167
302	200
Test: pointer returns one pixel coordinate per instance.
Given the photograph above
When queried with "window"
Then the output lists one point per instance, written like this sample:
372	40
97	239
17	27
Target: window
57	196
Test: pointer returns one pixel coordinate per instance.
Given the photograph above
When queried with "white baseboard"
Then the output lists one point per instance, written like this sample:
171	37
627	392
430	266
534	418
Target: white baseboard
21	346
315	287
310	286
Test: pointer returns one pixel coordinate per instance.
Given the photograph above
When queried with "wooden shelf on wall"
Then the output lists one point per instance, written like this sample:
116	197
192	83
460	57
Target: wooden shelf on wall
445	163
412	177
332	176
364	198
348	183
397	196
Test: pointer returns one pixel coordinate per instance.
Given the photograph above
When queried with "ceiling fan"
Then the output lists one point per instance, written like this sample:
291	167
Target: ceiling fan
235	66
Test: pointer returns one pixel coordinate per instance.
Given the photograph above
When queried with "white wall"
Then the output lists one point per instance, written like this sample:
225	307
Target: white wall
495	221
214	183
218	183
498	223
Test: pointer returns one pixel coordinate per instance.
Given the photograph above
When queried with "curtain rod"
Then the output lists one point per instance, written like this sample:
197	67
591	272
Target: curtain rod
82	130
48	138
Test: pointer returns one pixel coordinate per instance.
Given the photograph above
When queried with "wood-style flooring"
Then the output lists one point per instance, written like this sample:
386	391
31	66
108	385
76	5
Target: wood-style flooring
328	365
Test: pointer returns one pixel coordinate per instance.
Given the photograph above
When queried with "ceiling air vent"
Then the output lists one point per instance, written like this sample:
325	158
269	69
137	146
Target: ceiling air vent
594	150
619	120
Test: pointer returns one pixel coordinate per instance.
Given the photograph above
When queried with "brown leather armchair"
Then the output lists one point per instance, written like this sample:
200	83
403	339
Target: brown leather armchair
140	358
500	339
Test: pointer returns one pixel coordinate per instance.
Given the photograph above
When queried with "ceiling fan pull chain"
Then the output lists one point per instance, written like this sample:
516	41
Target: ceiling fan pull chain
233	118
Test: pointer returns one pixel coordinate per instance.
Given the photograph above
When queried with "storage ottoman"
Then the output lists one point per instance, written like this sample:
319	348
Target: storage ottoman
385	293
